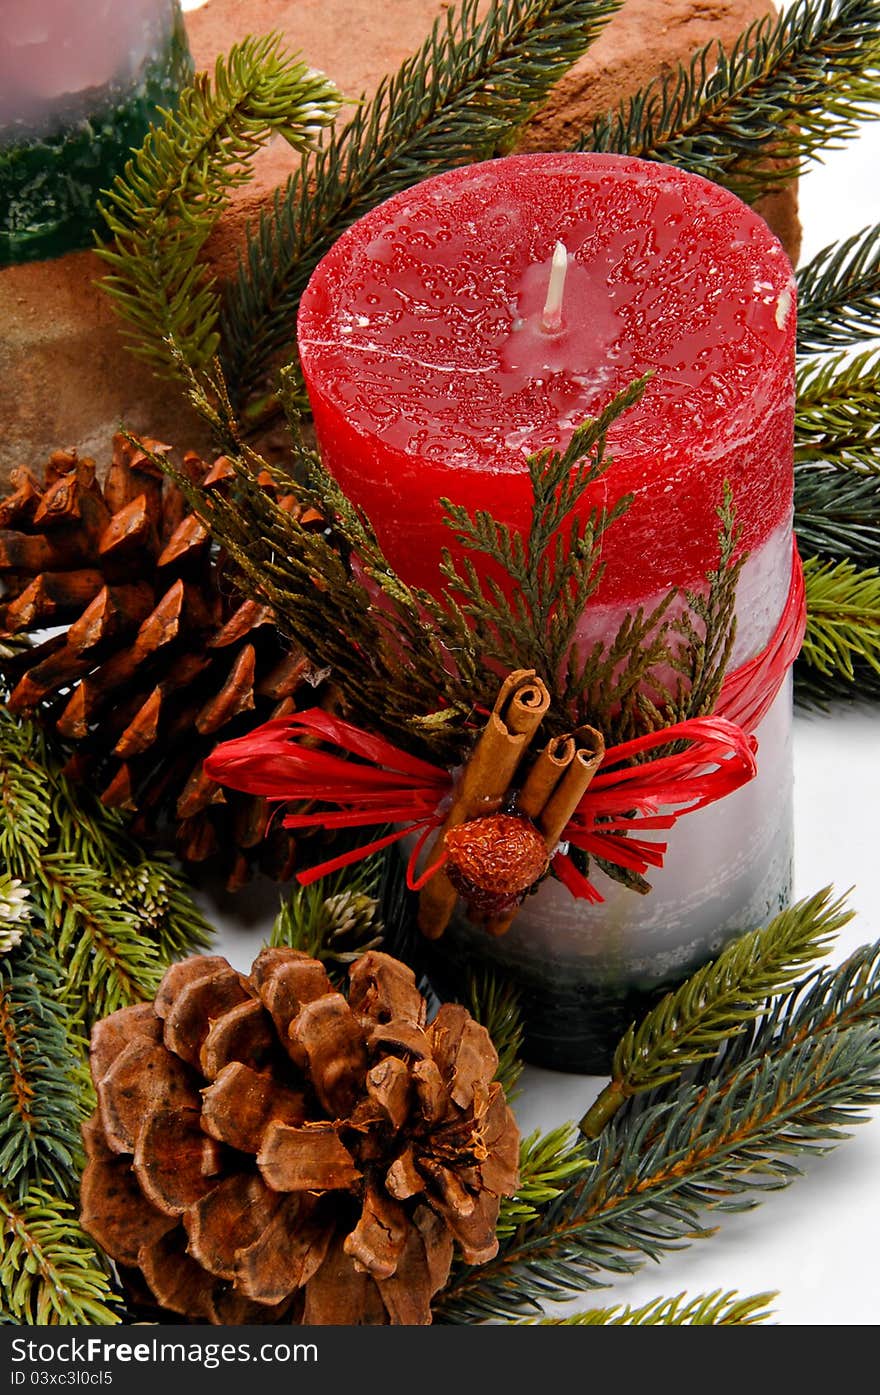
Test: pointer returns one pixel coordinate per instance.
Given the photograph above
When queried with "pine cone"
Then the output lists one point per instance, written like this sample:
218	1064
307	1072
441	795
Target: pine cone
159	657
264	1149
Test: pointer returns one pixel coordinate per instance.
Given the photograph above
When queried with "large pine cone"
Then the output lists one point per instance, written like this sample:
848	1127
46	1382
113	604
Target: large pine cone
264	1149
159	657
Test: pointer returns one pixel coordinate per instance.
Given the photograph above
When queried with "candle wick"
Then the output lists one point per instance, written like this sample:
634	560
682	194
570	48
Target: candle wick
551	318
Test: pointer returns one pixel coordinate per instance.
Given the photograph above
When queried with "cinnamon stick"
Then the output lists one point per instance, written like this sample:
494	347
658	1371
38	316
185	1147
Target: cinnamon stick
519	708
565	794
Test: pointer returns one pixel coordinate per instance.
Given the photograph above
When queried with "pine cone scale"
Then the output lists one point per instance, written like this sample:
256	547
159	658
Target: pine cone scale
326	1178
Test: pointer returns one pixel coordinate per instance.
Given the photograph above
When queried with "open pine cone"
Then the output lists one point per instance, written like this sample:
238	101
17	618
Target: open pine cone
264	1149
159	657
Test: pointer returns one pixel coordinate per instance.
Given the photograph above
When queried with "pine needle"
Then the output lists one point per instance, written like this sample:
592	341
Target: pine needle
791	87
335	919
49	1272
716	1309
839	294
837	419
716	1003
164	207
495	1004
548	1164
837	513
843	618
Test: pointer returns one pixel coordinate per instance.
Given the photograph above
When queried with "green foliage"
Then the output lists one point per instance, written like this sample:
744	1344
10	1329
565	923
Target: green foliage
49	1271
41	1085
718	1144
113	918
165	206
715	1309
548	1164
461	97
790	87
839	294
495	1004
837	420
843	619
716	1003
335	919
837	513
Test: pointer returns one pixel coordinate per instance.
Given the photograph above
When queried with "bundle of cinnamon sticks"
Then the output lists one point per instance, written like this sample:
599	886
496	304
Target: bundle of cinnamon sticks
548	792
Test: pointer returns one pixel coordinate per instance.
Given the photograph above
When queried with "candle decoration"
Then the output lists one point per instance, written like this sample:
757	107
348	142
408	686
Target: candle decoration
79	86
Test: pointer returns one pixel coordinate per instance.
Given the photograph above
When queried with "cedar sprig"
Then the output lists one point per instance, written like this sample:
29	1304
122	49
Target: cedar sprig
50	1273
555	567
839	294
335	919
716	1309
476	79
837	418
161	211
660	1172
790	87
843	619
837	513
717	1002
41	1086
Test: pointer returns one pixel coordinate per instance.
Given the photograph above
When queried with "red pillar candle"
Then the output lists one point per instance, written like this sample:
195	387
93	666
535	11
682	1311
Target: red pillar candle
436	363
430	375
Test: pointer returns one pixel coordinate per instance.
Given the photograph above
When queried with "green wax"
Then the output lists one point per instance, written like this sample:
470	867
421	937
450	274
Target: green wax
50	184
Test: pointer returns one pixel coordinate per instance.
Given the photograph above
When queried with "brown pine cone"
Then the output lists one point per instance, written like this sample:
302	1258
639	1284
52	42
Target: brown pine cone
159	657
265	1149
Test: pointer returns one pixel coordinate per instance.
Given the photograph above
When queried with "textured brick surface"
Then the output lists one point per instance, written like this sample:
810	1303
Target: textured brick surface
65	378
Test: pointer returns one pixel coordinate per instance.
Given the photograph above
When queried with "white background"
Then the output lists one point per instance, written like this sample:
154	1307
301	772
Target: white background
816	1242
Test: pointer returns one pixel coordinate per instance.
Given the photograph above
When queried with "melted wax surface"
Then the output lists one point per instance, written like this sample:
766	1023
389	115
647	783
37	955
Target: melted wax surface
430	376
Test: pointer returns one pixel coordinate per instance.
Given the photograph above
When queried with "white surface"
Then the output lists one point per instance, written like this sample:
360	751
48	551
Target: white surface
817	1241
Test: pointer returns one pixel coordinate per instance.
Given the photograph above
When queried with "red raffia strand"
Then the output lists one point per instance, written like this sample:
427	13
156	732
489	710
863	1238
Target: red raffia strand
386	785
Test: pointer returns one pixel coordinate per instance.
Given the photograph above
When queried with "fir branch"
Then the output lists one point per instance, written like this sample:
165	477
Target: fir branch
460	98
837	513
843	618
49	1271
716	1003
839	294
817	691
24	811
335	919
548	1164
164	207
714	1309
495	1004
718	1146
790	87
41	1094
837	419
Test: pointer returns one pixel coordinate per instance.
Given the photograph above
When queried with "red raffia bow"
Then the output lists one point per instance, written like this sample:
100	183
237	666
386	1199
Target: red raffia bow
386	785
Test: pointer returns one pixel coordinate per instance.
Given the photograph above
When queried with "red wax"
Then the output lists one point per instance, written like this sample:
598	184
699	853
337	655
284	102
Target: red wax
429	374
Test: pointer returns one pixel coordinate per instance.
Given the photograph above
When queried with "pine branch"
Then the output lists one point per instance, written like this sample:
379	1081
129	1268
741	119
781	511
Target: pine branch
837	419
335	919
495	1004
41	1090
165	206
717	1002
843	618
839	294
816	691
752	117
715	1309
459	98
49	1272
837	513
548	1164
718	1146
